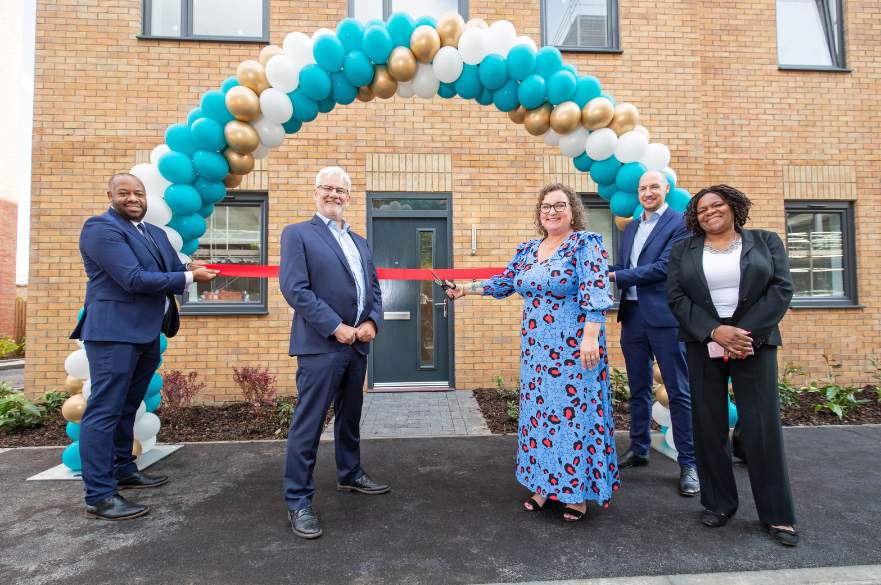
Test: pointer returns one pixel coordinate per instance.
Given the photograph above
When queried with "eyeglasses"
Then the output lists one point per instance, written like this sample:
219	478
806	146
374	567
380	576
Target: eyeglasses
559	207
328	189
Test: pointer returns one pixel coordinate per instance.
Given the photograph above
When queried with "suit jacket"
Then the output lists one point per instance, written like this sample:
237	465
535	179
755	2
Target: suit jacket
129	281
650	273
317	282
765	289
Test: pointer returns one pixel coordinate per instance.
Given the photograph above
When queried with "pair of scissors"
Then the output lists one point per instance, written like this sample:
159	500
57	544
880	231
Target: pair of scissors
441	282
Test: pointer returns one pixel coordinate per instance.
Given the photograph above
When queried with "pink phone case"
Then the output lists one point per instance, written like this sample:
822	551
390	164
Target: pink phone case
716	350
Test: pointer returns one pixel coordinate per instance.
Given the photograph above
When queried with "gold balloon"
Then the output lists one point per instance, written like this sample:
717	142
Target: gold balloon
425	43
232	181
252	75
73	408
239	164
402	64
243	103
517	116
136	448
622	222
566	118
597	113
661	396
449	29
383	85
268	52
365	94
241	137
538	121
642	130
73	385
625	119
477	23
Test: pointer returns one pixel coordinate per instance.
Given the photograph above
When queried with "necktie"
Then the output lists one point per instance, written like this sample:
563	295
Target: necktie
147	236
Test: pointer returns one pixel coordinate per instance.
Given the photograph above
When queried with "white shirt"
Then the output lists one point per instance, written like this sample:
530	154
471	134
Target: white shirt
643	231
353	258
188	275
723	278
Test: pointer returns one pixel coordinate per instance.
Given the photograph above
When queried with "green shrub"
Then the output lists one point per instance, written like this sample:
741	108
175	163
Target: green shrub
510	395
620	386
6	389
51	401
284	411
789	392
876	374
838	399
9	348
17	413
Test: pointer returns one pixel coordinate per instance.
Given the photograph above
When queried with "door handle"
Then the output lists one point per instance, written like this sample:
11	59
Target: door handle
444	305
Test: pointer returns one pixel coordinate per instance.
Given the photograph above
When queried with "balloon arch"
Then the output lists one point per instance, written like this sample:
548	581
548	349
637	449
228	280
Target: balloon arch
291	85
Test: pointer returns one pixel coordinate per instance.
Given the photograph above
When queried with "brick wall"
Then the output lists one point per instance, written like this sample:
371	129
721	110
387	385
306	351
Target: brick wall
703	74
8	227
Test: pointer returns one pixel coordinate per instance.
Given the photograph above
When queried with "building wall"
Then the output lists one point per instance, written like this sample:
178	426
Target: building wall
704	76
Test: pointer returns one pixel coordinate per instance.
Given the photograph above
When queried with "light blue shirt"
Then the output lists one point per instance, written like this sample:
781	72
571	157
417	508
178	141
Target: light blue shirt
353	258
643	231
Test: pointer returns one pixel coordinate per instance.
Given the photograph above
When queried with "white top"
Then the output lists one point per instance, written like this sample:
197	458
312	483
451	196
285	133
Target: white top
723	277
643	231
353	258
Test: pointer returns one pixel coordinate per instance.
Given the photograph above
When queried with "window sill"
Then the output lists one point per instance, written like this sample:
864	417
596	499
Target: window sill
813	68
246	40
222	310
827	304
589	50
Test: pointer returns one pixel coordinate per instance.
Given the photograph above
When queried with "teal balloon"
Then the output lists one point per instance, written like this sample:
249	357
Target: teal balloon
570	68
678	199
305	108
425	21
628	176
604	172
521	62
71	457
183	199
623	204
210	191
189	227
350	33
177	167
214	106
493	71
210	165
342	91
195	114
606	191
663	430
670	179
326	105
177	137
582	162
561	87
292	126
637	212
447	90
587	88
374	21
314	82
155	384
608	97
505	98
548	61
80	313
485	98
189	248
358	69
229	83
377	44
732	414
163	343
329	52
468	85
206	210
73	430
533	92
207	134
152	402
400	27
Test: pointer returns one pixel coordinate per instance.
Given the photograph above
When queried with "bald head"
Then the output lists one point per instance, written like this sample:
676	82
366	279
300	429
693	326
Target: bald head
127	196
652	191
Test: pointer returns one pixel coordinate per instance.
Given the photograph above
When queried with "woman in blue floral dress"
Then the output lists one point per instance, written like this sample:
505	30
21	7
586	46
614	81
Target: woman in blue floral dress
566	445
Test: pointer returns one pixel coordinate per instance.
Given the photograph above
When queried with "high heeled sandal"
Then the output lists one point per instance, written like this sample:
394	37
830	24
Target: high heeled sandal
532	505
572	514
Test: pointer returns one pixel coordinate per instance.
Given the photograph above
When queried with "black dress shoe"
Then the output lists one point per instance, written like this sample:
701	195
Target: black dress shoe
365	485
115	508
689	485
138	480
631	459
714	519
304	523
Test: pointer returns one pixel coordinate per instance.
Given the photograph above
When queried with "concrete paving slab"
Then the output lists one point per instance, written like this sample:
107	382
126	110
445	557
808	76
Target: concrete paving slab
63	472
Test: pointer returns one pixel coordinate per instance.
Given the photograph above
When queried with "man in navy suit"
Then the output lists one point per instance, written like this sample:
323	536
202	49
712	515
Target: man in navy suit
328	277
133	273
649	329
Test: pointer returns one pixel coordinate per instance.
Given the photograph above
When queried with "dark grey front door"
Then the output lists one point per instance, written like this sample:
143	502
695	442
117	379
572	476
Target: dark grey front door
412	347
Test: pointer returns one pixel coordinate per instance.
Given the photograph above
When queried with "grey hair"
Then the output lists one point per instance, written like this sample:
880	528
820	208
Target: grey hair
333	172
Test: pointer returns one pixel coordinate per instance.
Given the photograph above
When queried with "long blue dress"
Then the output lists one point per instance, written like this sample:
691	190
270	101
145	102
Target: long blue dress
566	444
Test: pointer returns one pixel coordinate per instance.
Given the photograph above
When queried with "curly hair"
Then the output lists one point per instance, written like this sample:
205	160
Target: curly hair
736	200
579	217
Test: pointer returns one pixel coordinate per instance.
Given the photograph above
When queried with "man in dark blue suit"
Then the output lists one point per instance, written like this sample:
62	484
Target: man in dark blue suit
328	277
649	329
133	273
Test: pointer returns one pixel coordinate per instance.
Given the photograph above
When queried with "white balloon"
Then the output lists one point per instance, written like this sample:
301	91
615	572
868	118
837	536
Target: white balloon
670	172
81	344
601	144
177	242
271	134
283	74
573	144
525	40
146	427
669	438
275	105
153	181
158	211
184	259
147	445
631	146
473	45
655	157
501	36
448	64
158	152
261	152
425	84
142	410
661	414
405	89
296	43
77	365
552	138
320	32
87	389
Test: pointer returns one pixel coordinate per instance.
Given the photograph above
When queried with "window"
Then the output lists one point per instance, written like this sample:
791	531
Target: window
601	221
820	244
236	235
365	10
229	20
580	25
810	34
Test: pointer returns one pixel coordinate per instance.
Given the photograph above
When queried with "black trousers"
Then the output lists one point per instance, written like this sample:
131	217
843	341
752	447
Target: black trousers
755	390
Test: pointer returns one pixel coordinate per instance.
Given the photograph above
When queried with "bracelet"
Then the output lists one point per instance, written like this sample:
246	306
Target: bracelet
713	332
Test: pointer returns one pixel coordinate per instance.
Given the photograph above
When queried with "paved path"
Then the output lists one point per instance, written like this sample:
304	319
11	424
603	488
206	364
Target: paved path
14	377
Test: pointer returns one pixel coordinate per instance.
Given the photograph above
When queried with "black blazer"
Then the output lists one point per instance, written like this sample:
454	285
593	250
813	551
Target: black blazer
765	289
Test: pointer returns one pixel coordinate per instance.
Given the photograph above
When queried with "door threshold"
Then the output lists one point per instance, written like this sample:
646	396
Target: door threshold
406	388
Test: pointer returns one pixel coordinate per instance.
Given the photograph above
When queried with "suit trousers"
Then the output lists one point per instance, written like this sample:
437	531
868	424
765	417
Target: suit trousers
758	405
322	379
120	374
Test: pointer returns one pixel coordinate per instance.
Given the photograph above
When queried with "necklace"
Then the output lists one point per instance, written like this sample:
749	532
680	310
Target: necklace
734	245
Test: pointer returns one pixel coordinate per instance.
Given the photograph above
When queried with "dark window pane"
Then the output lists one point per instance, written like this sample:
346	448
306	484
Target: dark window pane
815	243
578	23
228	18
165	18
426	302
410	204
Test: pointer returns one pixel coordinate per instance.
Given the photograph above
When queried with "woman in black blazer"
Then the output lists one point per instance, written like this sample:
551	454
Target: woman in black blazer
729	287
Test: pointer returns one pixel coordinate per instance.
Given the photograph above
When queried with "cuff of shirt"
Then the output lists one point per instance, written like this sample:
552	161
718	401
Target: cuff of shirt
188	276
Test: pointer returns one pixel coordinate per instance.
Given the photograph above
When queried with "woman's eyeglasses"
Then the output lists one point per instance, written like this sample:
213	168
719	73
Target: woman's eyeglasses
559	207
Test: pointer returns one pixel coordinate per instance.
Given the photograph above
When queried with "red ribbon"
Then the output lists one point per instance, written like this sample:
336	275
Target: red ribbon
266	271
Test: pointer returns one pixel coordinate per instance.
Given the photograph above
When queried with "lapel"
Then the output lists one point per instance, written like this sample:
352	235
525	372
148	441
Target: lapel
135	235
324	233
627	242
164	260
662	221
363	253
747	243
695	254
